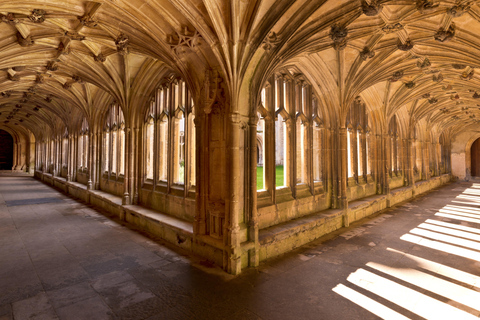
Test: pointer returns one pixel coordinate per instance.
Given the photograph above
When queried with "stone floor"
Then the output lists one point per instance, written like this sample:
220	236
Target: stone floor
60	259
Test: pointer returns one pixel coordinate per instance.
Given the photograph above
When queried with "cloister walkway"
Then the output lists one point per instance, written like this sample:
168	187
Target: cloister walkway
61	259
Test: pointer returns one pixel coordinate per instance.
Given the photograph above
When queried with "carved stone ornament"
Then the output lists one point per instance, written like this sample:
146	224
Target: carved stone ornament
32	90
476	95
14	77
48	99
52	66
338	34
445	35
426	6
10	19
410	84
425	96
444	110
437	78
397	75
454	97
433	100
63	49
7	93
390	28
270	41
455	117
77	78
67	85
405	46
371	9
366	53
458	10
37	16
467	76
122	43
39	78
423	64
458	66
99	58
24	42
88	21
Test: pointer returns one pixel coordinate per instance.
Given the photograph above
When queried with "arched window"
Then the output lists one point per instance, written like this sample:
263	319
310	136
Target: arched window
114	141
83	146
358	166
169	136
289	113
394	147
65	149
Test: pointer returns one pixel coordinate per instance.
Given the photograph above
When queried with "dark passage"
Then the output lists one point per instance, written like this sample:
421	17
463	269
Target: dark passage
6	151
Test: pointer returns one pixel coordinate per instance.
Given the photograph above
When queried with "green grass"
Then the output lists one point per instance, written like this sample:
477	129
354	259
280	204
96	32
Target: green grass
278	177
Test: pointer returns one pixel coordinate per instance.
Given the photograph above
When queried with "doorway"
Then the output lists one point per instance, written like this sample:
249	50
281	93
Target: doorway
6	150
475	158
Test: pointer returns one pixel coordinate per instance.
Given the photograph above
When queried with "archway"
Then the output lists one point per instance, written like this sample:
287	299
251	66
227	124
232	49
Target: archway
475	158
6	151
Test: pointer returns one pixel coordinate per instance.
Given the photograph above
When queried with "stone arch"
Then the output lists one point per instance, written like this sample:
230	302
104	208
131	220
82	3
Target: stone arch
468	155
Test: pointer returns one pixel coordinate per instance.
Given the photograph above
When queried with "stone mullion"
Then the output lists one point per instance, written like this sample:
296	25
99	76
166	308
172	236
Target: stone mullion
309	137
269	133
295	138
290	135
170	106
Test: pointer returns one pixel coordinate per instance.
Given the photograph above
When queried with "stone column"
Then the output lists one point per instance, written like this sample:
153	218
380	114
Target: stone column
126	199
234	203
251	201
343	201
201	153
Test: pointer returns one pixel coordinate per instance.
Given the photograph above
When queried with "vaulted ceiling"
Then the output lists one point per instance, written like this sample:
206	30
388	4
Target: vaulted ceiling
62	60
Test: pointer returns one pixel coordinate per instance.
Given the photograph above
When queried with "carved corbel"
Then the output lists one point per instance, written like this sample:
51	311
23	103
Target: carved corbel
270	41
10	19
458	10
424	64
397	75
63	48
410	84
366	53
445	35
52	66
433	100
438	78
408	45
371	9
426	6
37	16
122	43
39	78
24	42
467	75
99	58
338	34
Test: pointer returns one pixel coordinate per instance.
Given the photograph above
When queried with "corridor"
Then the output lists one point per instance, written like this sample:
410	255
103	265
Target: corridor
62	259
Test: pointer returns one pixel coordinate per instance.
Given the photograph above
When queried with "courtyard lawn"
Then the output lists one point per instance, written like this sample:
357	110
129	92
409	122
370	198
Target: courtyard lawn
278	177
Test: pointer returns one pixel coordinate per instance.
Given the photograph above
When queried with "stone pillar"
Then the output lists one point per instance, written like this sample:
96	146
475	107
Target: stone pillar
126	199
201	153
343	201
97	158
251	201
134	173
234	204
